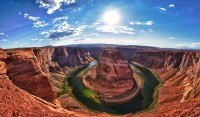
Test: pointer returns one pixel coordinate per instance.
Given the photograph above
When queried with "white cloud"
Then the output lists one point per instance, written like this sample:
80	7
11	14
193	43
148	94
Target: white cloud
59	19
36	21
148	23
75	10
37	40
16	42
189	45
62	29
94	34
116	29
78	40
61	26
171	5
3	40
150	30
53	5
162	9
80	29
2	33
39	24
171	38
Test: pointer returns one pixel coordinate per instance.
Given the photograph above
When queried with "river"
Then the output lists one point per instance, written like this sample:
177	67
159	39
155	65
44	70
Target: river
141	102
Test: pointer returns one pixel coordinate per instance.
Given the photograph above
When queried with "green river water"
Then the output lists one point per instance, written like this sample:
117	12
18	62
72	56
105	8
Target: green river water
145	99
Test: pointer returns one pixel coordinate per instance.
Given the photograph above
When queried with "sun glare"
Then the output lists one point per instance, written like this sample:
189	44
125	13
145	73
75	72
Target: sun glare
111	17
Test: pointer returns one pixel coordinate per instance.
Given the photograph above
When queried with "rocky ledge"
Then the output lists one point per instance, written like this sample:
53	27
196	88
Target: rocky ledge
112	78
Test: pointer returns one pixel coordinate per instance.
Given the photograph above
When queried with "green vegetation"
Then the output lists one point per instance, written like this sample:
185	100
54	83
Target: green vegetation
144	101
78	86
10	52
149	80
156	91
65	89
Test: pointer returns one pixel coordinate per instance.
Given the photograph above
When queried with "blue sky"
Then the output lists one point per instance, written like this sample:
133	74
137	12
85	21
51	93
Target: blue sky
161	23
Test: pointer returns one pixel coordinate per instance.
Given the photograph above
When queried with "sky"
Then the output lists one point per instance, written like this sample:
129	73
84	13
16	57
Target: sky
160	23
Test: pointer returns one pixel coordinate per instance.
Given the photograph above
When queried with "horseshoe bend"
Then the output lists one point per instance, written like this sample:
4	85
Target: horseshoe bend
97	81
112	78
99	58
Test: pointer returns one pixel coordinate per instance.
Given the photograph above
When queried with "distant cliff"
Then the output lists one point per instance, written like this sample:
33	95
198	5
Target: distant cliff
180	70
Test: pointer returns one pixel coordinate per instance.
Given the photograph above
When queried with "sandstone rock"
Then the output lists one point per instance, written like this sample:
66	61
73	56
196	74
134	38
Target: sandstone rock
14	102
57	62
32	69
2	68
3	54
114	77
179	69
113	66
26	74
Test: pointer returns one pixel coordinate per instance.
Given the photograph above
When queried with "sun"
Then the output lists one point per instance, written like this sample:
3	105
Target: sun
111	17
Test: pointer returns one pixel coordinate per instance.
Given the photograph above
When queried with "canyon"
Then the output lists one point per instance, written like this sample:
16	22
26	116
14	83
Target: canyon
31	78
112	78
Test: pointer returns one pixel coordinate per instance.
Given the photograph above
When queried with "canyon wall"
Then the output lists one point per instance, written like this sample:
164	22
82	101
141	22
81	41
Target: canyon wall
179	70
59	61
41	71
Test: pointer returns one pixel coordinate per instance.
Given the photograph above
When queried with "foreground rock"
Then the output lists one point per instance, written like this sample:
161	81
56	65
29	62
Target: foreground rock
24	71
112	78
41	71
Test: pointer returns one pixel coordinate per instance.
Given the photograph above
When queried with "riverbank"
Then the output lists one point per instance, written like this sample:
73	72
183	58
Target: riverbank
140	68
119	99
143	101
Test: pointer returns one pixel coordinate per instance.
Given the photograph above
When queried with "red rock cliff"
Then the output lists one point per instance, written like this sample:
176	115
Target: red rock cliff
24	71
112	78
38	70
59	61
179	70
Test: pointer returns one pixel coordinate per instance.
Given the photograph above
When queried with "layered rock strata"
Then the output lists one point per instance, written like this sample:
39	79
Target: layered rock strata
179	70
41	71
59	61
112	78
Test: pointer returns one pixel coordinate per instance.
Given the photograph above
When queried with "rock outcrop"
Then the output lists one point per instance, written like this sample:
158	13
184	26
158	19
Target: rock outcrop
41	71
112	78
15	102
113	66
59	61
24	71
180	72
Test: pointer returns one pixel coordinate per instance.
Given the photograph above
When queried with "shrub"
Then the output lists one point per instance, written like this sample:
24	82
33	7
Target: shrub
64	90
10	52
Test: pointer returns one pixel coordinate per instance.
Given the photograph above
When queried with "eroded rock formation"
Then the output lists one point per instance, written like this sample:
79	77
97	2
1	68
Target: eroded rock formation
59	61
41	71
179	71
112	78
44	70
